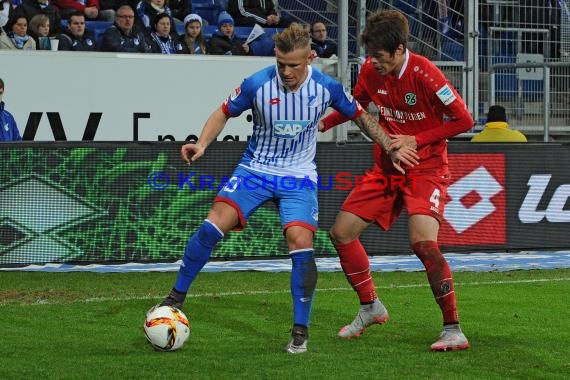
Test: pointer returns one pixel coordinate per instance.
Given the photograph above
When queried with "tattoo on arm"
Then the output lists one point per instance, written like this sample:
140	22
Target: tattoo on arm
369	125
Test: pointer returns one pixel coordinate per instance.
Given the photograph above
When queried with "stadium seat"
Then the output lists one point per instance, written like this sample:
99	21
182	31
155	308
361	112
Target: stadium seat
451	50
408	7
506	83
242	32
209	31
317	5
263	46
207	9
97	27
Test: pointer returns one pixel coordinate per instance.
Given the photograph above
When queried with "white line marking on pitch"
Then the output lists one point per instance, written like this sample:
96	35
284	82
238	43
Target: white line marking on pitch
285	291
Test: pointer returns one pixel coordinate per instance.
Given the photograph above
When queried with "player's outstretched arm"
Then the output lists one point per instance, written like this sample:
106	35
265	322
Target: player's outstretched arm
214	125
369	125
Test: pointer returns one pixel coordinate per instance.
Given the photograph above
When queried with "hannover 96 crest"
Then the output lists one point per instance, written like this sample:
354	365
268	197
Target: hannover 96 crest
410	98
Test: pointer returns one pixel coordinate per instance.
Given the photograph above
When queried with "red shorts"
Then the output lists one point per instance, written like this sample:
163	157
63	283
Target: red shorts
380	198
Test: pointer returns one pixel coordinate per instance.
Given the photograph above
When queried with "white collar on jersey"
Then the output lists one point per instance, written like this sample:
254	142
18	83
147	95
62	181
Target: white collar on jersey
405	65
309	74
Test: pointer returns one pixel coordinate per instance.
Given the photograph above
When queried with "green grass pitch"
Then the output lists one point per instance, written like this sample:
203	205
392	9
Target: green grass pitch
89	326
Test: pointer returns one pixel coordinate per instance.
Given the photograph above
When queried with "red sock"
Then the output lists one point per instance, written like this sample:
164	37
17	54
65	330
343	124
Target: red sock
356	267
440	279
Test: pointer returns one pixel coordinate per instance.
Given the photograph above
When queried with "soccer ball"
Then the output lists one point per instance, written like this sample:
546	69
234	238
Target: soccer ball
166	328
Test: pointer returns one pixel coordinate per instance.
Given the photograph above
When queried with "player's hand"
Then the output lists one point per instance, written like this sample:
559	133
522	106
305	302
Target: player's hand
406	156
192	152
321	126
400	141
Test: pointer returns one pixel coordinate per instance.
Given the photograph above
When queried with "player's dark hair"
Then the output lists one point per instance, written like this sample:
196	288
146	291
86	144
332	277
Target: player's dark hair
296	36
385	30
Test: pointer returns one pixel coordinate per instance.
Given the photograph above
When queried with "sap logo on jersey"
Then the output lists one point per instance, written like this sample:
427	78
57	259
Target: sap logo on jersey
287	129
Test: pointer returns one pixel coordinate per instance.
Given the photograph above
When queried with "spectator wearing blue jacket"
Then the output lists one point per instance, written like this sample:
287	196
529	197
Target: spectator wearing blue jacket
8	128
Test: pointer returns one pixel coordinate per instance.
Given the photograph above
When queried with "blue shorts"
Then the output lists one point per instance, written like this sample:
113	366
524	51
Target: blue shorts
296	198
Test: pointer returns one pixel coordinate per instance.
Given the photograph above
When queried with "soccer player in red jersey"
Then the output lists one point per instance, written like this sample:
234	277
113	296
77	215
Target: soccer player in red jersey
419	109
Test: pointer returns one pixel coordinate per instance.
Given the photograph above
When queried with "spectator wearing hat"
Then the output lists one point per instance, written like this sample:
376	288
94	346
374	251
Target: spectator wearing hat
497	128
192	41
224	41
251	12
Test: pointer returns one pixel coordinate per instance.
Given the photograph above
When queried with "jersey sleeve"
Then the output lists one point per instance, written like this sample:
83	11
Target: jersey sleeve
240	100
338	116
453	106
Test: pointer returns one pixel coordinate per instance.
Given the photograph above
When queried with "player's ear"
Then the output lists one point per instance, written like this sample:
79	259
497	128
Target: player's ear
401	49
311	57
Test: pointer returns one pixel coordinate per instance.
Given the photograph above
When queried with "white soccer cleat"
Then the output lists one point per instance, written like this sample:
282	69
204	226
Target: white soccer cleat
298	343
451	340
367	316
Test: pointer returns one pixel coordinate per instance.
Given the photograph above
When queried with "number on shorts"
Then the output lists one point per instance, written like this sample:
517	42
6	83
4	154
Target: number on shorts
435	197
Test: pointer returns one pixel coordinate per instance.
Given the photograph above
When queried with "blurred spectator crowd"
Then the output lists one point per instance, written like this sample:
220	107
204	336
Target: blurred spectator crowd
226	27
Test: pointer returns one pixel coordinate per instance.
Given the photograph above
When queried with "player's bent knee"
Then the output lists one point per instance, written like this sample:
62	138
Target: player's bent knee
300	242
338	236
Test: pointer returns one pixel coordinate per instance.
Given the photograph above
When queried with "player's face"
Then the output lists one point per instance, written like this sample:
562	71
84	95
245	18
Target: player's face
387	64
293	66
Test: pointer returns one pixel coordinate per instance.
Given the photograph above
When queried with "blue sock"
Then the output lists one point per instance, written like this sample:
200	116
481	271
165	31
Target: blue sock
196	254
303	283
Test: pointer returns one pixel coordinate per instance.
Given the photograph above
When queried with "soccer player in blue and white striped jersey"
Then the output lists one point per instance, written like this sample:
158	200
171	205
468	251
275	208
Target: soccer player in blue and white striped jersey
287	101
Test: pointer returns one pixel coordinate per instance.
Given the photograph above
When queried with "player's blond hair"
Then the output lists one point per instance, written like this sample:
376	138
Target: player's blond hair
296	36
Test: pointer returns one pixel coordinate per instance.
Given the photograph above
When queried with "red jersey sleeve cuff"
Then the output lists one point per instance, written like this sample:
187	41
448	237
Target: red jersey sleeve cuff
226	109
335	118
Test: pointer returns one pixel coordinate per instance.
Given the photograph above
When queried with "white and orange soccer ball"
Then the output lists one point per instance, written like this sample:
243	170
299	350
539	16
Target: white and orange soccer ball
166	328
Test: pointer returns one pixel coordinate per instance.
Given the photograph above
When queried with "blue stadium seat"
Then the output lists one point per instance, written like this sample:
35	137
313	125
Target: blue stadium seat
506	83
97	27
317	5
406	6
207	9
451	50
208	31
242	32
